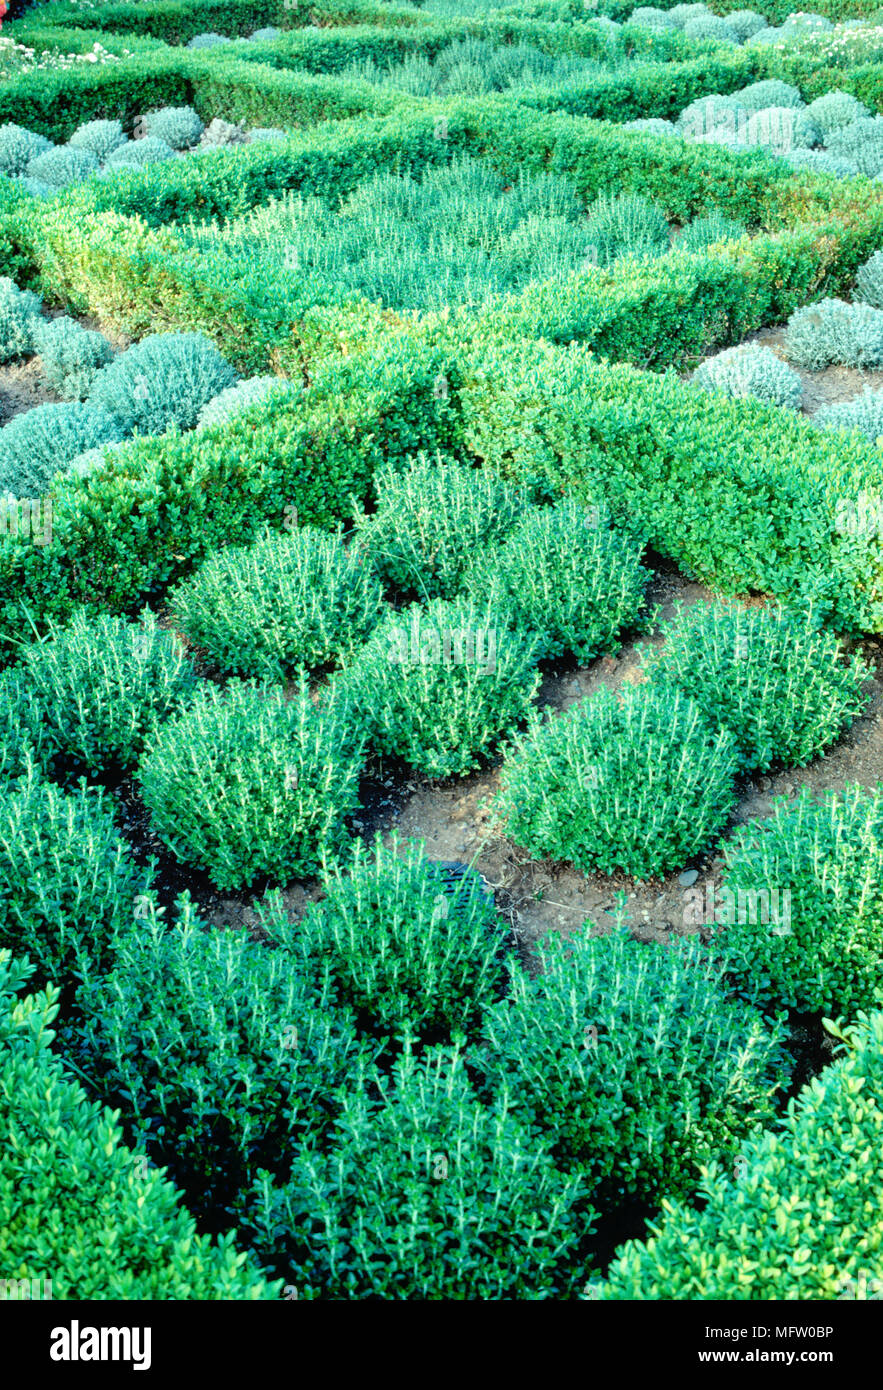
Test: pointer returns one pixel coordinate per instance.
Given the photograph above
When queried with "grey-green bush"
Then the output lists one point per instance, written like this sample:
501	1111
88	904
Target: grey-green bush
781	128
820	162
710	26
835	110
703	232
861	142
164	380
139	153
19	317
39	443
770	92
710	113
62	166
625	224
653	125
833	331
177	126
100	137
71	356
869	281
18	147
864	413
234	399
744	23
753	371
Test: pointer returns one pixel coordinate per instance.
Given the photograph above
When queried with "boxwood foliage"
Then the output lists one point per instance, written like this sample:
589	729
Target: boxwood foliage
247	784
427	1194
71	883
566	575
441	686
223	1057
100	686
797	1216
97	1221
430	522
777	681
821	946
632	1060
412	955
164	380
635	782
289	600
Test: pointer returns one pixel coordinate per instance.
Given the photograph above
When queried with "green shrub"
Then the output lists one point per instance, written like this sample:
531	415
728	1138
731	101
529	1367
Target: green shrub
796	1218
19	317
744	23
566	576
819	864
178	126
776	681
710	27
223	1057
636	784
209	40
703	232
430	522
869	281
293	600
408	1204
234	399
820	162
651	126
24	745
164	380
62	166
770	92
97	1222
413	956
39	443
833	331
752	371
18	147
71	356
70	883
631	1060
864	413
99	137
440	686
625	225
139	154
835	110
36	188
246	784
101	686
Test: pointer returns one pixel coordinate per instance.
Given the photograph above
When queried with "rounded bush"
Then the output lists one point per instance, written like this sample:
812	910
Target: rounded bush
861	142
24	746
39	443
634	783
62	166
760	96
626	225
566	576
767	35
177	126
681	13
35	188
773	679
631	1059
219	133
138	154
413	955
745	23
234	399
440	686
649	17
864	413
269	31
208	40
835	110
703	232
651	126
408	1204
832	331
265	133
71	356
164	380
712	114
710	26
802	922
287	601
18	147
101	686
430	522
19	317
781	128
101	138
869	281
751	371
246	784
820	162
70	884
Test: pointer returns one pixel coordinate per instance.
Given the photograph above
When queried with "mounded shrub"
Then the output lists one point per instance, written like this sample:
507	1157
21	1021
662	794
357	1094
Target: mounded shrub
62	166
19	317
835	110
821	947
703	232
223	1057
753	371
861	142
781	128
651	126
208	40
164	380
635	783
820	162
869	281
98	1222
625	225
745	23
431	520
234	399
70	882
246	784
681	13
407	1205
711	113
39	443
269	31
650	17
218	134
35	187
565	575
774	679
263	610
177	126
18	147
71	356
265	133
441	686
139	153
413	955
795	1218
770	92
832	331
631	1059
712	27
101	685
101	138
864	413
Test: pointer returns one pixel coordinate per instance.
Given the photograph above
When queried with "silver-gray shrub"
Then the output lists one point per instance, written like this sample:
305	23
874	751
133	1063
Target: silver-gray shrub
71	356
753	371
864	413
833	331
99	137
835	110
869	281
